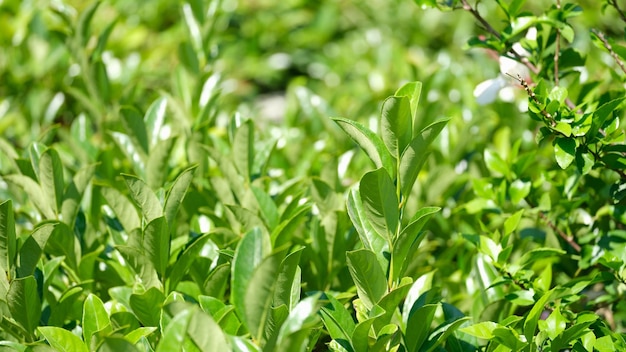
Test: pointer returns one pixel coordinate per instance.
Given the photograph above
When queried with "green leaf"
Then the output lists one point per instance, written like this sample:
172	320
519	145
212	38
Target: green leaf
443	332
396	124
288	281
511	223
206	333
156	244
245	218
422	285
33	247
530	324
51	178
564	128
62	340
259	294
24	302
8	240
103	39
243	149
369	142
253	247
154	119
554	325
604	344
380	202
267	207
84	21
390	304
95	318
34	192
601	115
74	193
62	242
361	335
536	254
577	330
135	127
409	238
369	237
184	261
412	90
115	344
141	265
133	153
515	6
157	166
136	335
414	156
369	278
482	330
176	194
294	332
123	208
559	94
147	306
495	163
337	320
418	326
175	332
144	197
564	151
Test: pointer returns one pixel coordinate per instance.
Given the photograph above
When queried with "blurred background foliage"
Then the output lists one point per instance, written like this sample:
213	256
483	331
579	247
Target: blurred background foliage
288	65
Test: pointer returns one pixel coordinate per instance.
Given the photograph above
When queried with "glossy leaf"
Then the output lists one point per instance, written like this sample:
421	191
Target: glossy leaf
177	193
337	320
396	124
206	333
369	142
62	340
95	318
175	332
154	120
415	155
370	280
369	237
34	192
294	332
123	208
156	244
8	240
157	165
135	128
565	151
51	178
530	324
147	306
380	202
259	295
144	197
74	194
250	252
412	90
243	149
24	302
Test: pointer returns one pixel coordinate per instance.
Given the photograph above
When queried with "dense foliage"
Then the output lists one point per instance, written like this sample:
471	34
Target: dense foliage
177	176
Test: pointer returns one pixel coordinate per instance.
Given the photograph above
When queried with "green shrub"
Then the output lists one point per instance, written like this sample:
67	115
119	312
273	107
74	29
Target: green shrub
174	176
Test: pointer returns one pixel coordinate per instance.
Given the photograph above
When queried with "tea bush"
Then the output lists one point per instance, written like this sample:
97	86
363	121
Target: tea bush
294	176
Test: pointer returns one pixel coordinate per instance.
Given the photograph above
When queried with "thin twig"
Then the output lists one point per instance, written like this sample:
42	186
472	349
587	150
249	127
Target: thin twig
560	232
608	47
533	97
490	29
619	11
